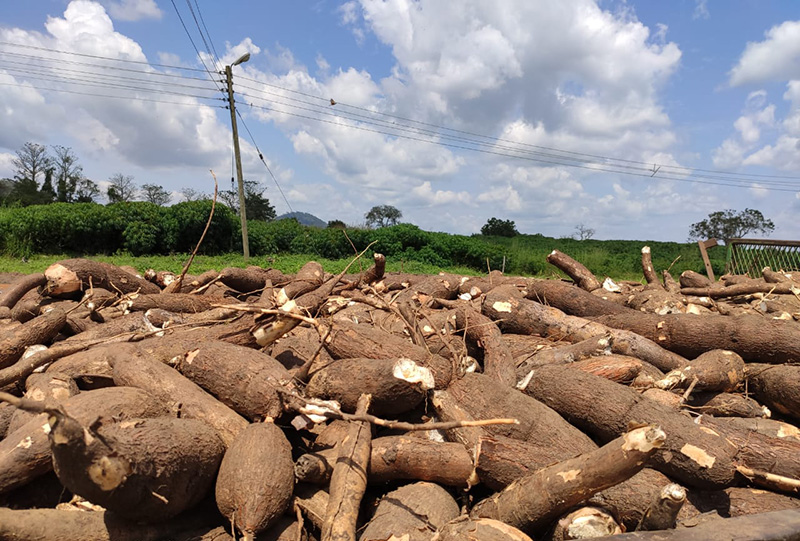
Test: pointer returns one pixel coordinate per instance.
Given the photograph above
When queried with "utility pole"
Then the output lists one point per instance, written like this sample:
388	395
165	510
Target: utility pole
237	154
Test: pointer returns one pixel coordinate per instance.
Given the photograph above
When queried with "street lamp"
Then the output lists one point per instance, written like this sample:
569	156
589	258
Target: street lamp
242	211
242	59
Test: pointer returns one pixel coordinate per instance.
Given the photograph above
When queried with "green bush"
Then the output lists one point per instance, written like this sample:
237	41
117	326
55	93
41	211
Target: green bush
184	224
259	238
141	238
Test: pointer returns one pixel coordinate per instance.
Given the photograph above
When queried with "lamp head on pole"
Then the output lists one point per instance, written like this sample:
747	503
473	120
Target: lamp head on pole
242	59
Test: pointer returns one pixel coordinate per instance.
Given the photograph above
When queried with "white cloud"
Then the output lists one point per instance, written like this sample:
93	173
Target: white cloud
748	147
6	166
565	75
131	131
749	125
759	191
701	10
774	59
132	10
428	196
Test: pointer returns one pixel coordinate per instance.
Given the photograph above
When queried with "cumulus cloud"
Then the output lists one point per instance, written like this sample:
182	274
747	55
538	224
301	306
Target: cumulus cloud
137	131
567	75
132	10
748	147
774	59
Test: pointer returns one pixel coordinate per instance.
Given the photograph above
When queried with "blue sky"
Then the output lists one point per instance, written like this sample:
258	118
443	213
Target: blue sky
549	113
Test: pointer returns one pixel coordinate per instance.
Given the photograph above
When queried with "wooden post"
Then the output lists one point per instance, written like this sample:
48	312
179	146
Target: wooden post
238	156
704	245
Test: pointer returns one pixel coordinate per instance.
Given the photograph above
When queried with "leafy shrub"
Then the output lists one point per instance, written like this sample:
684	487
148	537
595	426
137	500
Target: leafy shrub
184	224
140	238
259	237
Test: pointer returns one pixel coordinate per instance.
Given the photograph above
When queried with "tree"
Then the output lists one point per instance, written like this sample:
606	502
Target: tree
257	206
155	194
6	186
382	216
32	160
67	173
122	188
336	224
86	191
499	228
47	190
583	232
730	224
190	194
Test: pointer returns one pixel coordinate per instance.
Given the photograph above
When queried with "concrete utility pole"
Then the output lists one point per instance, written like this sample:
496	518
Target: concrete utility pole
242	211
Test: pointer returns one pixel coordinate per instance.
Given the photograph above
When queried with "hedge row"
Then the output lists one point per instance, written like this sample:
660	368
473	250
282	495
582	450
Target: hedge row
138	227
403	241
142	228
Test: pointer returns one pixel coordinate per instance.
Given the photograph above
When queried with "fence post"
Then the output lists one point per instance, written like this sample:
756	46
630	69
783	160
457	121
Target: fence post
704	245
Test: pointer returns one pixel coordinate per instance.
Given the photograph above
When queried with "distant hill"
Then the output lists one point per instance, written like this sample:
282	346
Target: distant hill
304	218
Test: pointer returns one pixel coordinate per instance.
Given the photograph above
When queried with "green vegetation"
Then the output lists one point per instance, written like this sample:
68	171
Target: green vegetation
499	228
620	259
290	263
730	224
146	235
136	227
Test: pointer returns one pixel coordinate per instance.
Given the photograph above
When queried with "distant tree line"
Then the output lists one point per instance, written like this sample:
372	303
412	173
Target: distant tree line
41	177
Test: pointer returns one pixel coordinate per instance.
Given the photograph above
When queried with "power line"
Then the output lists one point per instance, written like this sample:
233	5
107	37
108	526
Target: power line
25	46
102	84
189	35
64	90
206	29
27	68
522	157
405	129
261	156
202	36
60	61
608	159
560	159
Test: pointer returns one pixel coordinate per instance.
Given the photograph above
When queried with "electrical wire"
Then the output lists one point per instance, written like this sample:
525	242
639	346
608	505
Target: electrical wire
607	159
59	62
519	156
94	76
59	51
206	29
95	95
189	35
82	82
261	156
202	36
561	159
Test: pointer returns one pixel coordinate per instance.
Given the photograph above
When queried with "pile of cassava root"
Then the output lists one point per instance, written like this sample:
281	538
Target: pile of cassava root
375	406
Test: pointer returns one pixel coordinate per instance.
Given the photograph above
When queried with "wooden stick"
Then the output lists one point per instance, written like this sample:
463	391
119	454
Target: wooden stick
770	480
175	286
326	409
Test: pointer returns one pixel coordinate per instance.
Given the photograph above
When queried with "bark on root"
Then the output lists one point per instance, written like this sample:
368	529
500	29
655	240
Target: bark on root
531	502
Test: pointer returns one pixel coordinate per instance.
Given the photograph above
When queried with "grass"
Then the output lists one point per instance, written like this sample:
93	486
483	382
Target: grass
289	263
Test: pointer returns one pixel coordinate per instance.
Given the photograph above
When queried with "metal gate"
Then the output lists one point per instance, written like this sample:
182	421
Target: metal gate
749	256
